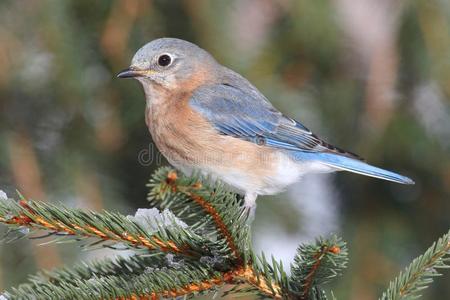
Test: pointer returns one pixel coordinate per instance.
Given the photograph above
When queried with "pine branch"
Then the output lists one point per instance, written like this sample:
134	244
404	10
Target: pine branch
215	207
215	248
135	277
218	209
262	284
104	227
154	283
419	274
207	247
133	265
151	278
316	264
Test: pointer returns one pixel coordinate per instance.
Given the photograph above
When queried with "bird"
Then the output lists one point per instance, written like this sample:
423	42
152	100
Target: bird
206	118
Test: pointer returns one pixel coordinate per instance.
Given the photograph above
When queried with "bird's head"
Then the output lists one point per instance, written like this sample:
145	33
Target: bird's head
169	63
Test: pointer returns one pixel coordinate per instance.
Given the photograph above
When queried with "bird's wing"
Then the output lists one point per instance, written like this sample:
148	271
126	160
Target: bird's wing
249	116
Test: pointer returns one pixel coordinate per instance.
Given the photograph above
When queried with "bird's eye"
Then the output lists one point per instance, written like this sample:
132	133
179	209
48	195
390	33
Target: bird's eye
164	60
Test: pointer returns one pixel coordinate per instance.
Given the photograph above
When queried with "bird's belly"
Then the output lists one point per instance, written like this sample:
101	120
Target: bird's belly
267	177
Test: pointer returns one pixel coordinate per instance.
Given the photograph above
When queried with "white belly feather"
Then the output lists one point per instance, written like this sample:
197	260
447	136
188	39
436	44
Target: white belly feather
285	172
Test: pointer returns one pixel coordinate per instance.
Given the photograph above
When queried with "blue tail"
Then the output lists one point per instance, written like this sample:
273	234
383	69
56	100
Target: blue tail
352	165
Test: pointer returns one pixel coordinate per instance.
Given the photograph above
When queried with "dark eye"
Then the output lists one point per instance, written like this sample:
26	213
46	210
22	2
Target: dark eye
164	60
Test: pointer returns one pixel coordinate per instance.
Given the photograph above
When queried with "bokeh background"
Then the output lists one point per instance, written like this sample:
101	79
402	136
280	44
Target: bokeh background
372	76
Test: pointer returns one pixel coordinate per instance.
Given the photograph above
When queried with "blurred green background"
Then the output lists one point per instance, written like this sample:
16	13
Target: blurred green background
371	76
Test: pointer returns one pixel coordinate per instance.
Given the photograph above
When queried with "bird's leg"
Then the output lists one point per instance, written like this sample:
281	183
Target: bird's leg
249	207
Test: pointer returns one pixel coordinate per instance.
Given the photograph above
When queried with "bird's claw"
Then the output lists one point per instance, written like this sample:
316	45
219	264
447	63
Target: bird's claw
248	214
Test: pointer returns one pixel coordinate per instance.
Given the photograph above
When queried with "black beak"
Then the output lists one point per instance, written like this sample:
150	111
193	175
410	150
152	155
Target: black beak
129	73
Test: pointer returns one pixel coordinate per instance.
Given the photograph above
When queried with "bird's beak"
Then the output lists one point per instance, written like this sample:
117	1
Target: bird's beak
131	73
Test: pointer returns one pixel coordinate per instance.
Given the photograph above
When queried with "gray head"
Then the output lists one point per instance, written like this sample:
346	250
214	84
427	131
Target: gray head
168	62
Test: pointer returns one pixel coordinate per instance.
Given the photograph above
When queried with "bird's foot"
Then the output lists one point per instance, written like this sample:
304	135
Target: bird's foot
248	213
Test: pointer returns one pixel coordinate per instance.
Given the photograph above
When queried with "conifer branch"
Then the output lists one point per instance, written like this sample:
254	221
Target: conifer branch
419	274
168	181
316	264
221	209
156	283
202	244
261	284
68	281
106	227
189	191
133	265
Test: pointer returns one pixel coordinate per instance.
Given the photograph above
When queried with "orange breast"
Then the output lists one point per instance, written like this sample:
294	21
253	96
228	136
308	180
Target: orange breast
185	138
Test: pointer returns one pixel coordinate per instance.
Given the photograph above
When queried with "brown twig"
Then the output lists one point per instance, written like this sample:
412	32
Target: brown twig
218	221
310	277
241	275
249	276
31	219
188	289
208	208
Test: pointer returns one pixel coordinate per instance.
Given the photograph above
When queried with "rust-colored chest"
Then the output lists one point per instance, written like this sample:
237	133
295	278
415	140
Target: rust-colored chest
176	129
190	142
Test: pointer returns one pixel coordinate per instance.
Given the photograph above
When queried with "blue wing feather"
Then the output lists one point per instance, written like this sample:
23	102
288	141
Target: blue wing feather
249	116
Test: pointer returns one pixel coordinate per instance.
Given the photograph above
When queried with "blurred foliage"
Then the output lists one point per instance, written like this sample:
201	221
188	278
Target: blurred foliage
372	76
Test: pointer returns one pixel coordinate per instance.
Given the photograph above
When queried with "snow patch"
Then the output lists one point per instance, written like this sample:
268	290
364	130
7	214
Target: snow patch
3	196
25	231
150	218
173	262
212	261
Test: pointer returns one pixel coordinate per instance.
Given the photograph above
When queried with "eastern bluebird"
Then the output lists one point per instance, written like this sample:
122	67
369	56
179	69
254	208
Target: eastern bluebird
205	117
